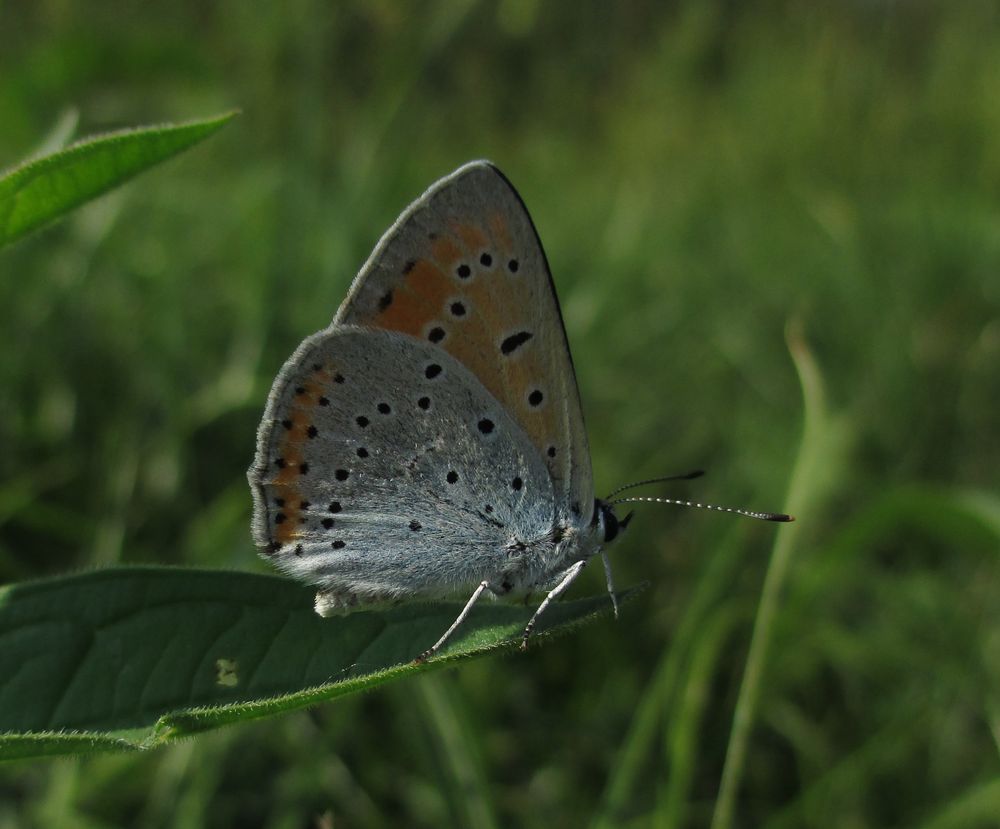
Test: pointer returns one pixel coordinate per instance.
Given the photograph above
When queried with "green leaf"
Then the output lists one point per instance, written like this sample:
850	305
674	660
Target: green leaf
128	658
818	471
43	189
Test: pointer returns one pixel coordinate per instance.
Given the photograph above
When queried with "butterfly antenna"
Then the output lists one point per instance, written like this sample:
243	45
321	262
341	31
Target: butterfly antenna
687	476
760	516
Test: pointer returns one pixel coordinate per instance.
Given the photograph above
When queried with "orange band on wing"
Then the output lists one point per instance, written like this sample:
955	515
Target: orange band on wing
445	251
308	394
417	301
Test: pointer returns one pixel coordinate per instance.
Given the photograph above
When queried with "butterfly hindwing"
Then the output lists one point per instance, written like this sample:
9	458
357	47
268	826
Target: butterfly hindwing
463	270
385	469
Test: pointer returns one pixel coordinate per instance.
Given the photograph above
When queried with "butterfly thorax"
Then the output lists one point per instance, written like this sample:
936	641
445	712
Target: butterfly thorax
537	563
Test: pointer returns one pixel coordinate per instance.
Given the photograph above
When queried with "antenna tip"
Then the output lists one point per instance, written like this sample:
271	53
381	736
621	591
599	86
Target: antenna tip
695	473
780	516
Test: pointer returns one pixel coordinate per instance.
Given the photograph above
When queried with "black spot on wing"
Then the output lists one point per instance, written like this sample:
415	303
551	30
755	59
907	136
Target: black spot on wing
514	342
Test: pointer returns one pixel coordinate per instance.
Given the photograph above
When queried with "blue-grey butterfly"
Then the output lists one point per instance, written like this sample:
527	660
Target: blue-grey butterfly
430	441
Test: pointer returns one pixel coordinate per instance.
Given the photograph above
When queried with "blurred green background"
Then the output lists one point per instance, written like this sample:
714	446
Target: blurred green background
705	177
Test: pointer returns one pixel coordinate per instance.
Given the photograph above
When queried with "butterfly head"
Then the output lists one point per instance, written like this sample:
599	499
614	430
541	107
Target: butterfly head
608	526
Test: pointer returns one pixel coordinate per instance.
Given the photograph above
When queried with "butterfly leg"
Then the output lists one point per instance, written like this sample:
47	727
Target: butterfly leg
611	583
554	593
433	649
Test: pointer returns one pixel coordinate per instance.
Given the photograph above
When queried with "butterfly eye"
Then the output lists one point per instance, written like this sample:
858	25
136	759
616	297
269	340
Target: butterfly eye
605	520
611	526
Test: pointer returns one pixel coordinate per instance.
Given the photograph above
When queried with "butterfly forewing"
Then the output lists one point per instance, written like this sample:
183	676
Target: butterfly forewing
384	469
463	270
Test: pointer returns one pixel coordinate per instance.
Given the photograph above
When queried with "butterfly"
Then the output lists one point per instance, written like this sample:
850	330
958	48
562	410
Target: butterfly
430	440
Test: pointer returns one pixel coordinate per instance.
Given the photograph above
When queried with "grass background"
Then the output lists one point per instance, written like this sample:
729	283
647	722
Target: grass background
704	176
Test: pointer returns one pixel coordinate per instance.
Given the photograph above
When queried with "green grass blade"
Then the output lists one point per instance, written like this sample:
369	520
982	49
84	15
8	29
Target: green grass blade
43	189
963	521
461	761
687	725
875	757
129	658
979	806
658	700
820	458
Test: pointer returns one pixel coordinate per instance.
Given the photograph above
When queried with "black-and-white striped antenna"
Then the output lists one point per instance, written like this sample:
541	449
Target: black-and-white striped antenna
687	476
636	499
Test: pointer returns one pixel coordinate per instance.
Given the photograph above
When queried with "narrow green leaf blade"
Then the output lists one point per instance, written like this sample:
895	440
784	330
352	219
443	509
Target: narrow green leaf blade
132	657
43	189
